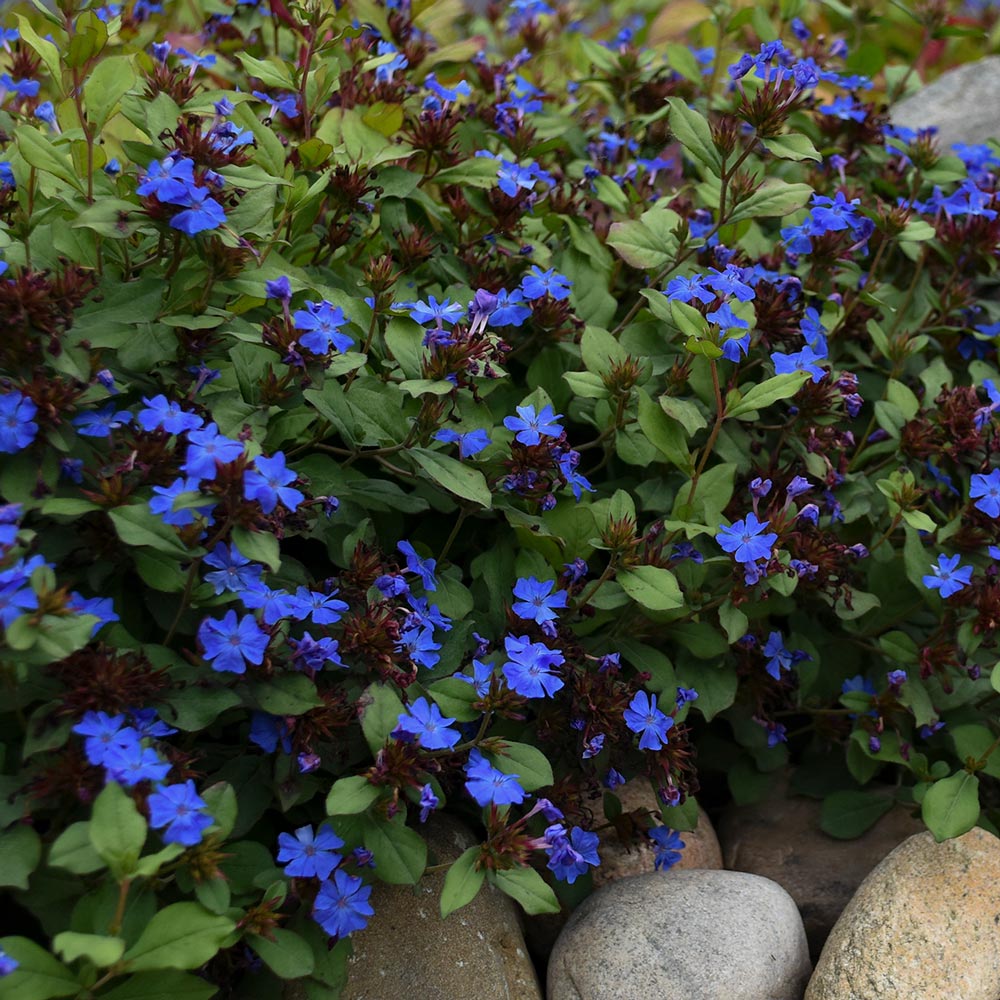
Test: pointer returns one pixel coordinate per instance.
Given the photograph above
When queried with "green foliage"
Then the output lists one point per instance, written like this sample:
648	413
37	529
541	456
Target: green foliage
347	475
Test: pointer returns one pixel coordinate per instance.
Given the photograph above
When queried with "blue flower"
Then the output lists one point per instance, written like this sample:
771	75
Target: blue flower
423	719
178	808
193	61
509	309
163	503
308	854
428	802
987	489
801	361
668	846
206	447
342	906
323	609
230	644
571	855
744	540
287	104
234	572
536	600
104	732
779	658
100	423
685	288
732	281
314	653
133	763
947	576
529	669
8	964
267	731
321	323
490	786
267	483
418	643
280	288
17	424
201	213
164	414
482	675
424	568
531	427
469	443
538	283
100	607
643	717
443	313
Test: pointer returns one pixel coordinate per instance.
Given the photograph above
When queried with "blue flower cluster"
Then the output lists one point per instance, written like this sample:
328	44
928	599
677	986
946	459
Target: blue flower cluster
172	182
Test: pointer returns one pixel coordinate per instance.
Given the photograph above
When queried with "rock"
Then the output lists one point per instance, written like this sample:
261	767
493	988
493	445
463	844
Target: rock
408	952
635	857
687	935
963	103
925	923
781	839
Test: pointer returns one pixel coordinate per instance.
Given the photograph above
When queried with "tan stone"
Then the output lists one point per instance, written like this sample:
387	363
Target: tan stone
925	924
408	952
635	856
781	839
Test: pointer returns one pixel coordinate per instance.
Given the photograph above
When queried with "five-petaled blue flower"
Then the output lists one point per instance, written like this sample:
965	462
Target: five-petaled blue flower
342	906
948	576
206	447
490	786
166	414
779	658
233	571
423	719
424	568
668	846
531	426
268	482
570	855
744	539
308	854
643	717
100	423
987	489
529	669
319	324
535	600
537	283
17	423
178	808
230	644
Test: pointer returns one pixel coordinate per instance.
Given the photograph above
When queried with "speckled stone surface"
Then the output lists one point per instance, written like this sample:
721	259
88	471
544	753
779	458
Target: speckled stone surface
963	103
635	856
781	839
925	924
690	935
408	952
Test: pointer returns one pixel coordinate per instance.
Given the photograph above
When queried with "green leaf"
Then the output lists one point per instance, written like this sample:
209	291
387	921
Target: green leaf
531	766
600	351
528	888
272	72
773	198
995	677
768	392
107	83
380	712
665	434
20	852
793	146
915	697
351	795
42	154
46	49
951	806
689	321
74	851
38	976
181	936
455	698
400	853
919	520
639	246
716	686
102	951
651	587
166	985
260	546
848	814
973	741
138	525
285	694
462	882
117	830
287	956
734	621
694	134
152	863
453	475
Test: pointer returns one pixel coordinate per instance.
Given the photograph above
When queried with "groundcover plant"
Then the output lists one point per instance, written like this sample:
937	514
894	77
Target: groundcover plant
405	410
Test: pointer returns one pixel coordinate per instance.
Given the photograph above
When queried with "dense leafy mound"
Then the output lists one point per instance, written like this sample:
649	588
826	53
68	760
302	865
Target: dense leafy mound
407	410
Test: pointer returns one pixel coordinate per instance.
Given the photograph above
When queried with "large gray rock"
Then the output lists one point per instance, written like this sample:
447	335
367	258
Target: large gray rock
781	839
691	935
963	103
408	952
924	924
